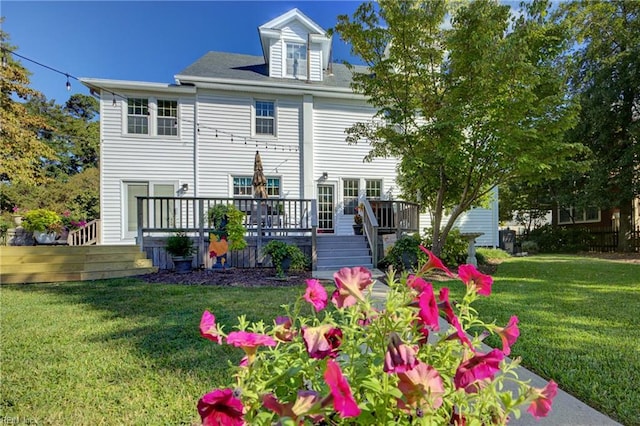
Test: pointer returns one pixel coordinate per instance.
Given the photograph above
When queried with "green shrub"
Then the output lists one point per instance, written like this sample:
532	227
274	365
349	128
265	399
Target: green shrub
404	255
530	247
559	239
42	220
233	228
455	249
279	251
180	245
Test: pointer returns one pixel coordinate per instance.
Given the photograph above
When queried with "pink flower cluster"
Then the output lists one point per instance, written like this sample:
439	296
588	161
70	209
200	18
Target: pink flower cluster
420	386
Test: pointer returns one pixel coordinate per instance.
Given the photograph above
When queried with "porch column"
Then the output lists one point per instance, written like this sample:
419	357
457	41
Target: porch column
307	188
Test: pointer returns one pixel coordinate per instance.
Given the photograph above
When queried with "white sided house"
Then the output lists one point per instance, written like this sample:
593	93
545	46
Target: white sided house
198	137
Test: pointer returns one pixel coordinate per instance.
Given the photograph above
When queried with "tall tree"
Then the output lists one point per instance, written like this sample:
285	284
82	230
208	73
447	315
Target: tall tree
606	82
21	150
466	106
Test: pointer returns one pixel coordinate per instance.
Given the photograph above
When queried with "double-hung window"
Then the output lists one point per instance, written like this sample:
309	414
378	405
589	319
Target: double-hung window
297	60
152	117
138	116
167	118
265	118
373	189
243	186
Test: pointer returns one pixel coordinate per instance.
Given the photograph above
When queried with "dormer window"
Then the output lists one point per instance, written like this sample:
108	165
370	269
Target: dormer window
297	60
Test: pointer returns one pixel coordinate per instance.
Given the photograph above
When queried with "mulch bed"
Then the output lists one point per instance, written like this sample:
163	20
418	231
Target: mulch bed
232	277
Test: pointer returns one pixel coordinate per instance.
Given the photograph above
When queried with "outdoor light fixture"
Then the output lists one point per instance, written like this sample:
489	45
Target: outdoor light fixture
185	187
68	83
325	175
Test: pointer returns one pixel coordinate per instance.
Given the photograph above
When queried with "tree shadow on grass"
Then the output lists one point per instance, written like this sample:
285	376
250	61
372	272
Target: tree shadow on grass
162	321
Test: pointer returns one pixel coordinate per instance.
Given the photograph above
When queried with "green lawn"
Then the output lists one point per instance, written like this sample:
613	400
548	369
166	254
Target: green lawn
127	352
580	325
117	352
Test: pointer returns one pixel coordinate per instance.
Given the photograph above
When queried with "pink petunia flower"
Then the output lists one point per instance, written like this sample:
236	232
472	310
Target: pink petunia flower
249	342
322	341
282	330
220	407
343	401
476	369
541	406
428	312
350	282
472	277
399	357
316	295
509	334
417	283
304	403
452	319
421	386
433	263
208	327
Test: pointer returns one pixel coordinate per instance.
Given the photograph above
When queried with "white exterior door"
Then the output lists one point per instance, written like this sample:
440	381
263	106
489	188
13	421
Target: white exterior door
326	207
162	213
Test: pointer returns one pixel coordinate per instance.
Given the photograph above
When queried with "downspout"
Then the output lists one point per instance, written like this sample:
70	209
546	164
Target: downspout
195	147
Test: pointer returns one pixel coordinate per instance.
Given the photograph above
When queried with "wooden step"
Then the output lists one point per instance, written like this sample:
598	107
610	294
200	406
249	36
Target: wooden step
63	263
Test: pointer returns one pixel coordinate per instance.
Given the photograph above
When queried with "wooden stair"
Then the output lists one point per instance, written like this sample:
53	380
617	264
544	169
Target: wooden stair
38	264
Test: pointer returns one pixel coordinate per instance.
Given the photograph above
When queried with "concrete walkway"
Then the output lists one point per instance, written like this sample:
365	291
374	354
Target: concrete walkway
567	410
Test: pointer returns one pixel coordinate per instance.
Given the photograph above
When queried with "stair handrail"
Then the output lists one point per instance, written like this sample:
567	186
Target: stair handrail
370	227
85	236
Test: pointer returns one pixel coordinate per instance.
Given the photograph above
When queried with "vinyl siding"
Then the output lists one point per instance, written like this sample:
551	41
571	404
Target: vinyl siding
219	159
127	158
276	60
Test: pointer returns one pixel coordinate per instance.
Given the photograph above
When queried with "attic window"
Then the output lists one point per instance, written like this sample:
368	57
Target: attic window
297	60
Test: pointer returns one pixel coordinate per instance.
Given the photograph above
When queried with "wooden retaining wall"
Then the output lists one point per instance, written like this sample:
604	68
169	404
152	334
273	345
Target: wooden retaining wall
247	258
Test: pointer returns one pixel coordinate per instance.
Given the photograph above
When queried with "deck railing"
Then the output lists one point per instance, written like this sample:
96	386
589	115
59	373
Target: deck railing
263	219
87	235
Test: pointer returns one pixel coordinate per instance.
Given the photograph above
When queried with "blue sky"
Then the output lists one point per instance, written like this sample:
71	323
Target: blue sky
144	40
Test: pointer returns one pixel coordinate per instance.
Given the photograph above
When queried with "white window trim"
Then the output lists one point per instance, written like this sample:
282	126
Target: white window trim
254	116
576	221
153	117
285	74
233	176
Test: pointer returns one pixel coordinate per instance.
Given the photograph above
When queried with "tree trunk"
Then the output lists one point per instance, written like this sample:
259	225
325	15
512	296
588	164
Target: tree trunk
625	227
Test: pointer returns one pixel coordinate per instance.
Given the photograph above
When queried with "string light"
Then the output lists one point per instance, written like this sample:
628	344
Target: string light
116	95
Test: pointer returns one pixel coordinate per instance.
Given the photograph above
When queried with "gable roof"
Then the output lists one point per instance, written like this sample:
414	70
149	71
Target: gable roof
273	30
220	66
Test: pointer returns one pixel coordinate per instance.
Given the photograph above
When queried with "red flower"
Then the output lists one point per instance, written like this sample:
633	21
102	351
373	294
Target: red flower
428	312
316	295
350	282
509	334
282	330
343	401
541	406
249	342
399	356
220	407
476	369
421	386
433	263
322	341
208	328
471	276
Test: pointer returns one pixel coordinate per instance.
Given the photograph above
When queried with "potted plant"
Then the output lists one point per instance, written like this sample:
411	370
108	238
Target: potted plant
284	257
357	222
181	249
45	225
227	232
